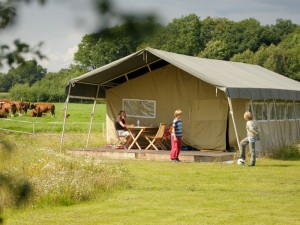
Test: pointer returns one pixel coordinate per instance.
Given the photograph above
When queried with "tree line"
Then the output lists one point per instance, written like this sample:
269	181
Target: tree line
275	47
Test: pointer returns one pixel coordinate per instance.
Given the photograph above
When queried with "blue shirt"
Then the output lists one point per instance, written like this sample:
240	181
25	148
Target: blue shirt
177	126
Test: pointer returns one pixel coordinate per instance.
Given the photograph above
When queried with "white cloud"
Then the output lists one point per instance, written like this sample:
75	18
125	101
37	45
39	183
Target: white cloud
70	54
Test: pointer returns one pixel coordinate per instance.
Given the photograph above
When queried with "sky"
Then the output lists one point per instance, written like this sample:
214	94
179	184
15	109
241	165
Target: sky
61	24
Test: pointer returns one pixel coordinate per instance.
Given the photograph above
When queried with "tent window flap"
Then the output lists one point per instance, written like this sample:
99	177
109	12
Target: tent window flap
140	108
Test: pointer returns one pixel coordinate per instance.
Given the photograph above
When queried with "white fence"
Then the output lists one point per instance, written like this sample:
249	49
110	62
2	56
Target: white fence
30	127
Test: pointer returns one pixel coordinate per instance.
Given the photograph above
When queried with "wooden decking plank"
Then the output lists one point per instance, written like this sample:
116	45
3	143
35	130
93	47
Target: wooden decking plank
162	155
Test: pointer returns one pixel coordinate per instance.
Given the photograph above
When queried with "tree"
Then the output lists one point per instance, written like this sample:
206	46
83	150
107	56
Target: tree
275	60
183	36
180	36
283	27
19	91
86	51
245	57
50	88
96	50
293	63
214	29
290	45
101	48
242	36
215	50
28	72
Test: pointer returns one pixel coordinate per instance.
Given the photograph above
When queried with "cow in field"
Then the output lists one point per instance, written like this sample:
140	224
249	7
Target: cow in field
3	113
34	113
19	106
41	108
8	107
25	106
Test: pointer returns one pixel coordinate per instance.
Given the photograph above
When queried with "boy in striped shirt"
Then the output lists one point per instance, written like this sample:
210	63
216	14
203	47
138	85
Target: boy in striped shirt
176	136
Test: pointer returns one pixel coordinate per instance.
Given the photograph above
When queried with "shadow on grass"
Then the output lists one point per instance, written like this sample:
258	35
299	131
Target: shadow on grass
277	165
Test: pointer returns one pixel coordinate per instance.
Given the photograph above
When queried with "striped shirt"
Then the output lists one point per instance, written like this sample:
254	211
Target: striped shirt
177	126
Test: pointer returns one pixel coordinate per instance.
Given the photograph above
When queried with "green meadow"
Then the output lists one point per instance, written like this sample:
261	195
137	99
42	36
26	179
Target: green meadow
68	189
187	193
77	122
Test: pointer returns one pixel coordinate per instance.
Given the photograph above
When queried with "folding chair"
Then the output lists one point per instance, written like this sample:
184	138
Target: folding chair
157	140
120	142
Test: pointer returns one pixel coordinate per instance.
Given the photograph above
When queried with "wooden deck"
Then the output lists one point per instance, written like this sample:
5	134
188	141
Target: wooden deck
161	155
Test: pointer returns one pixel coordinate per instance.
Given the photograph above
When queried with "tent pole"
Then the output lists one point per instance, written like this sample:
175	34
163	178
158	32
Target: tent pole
289	122
234	124
296	123
252	111
92	117
281	141
269	129
65	118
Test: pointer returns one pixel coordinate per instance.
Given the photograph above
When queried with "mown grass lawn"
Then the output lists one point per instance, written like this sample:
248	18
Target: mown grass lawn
188	193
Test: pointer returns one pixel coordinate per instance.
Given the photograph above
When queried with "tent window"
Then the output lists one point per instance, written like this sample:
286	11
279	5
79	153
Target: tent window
297	110
260	111
267	111
290	111
140	108
280	111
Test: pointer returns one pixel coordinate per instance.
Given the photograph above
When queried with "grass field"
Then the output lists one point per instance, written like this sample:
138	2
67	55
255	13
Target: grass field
77	122
188	193
76	129
153	192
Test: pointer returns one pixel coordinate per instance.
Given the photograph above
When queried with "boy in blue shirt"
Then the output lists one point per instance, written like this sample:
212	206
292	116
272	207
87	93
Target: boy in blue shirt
176	136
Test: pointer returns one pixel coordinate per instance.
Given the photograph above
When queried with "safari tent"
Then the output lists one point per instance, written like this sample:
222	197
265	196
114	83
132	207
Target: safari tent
213	94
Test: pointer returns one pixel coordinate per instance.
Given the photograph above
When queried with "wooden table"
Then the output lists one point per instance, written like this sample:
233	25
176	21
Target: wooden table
137	131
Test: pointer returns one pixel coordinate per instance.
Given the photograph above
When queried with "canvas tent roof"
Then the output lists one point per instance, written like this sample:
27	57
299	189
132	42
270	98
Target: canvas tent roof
237	80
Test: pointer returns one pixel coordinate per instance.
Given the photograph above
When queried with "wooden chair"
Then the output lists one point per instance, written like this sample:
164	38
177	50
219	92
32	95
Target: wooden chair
157	140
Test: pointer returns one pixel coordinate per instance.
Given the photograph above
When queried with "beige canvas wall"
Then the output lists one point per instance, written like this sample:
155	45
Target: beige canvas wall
204	109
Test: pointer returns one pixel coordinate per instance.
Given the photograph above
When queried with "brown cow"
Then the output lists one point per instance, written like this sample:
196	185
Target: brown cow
41	108
34	113
9	107
25	106
19	106
3	112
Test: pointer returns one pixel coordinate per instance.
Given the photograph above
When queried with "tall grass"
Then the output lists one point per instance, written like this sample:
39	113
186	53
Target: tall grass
287	153
57	179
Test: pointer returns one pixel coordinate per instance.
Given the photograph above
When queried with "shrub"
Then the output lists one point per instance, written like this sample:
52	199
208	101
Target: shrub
287	153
